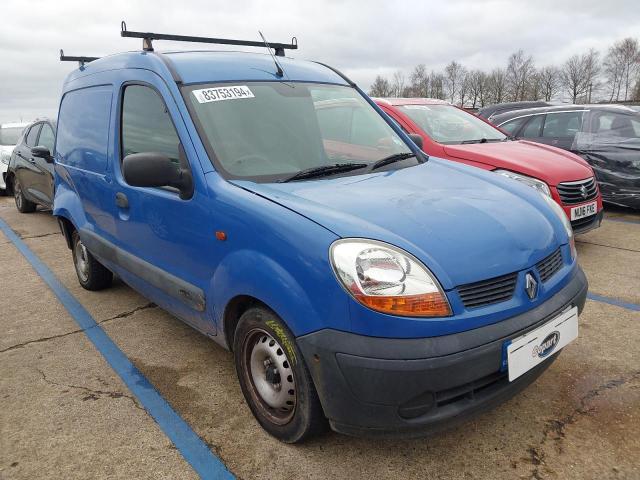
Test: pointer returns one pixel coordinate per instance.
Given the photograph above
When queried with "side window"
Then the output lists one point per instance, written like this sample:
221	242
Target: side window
146	124
513	125
532	130
565	124
47	138
32	136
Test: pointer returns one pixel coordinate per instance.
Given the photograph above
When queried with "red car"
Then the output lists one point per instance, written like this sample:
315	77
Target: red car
451	133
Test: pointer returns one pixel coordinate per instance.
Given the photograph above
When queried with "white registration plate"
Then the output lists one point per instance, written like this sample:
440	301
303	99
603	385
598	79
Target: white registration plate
535	347
582	211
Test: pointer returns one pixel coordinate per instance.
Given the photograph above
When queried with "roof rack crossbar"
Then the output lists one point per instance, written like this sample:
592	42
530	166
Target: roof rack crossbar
148	37
80	59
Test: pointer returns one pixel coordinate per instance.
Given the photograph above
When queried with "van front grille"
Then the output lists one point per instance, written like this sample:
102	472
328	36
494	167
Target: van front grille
549	265
490	291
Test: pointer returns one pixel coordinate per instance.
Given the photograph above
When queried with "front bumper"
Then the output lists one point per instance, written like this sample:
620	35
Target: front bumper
413	387
586	224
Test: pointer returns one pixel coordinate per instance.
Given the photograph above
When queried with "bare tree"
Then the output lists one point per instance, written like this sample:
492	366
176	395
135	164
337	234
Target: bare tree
519	70
613	70
629	55
419	79
549	82
397	86
436	85
579	76
380	87
477	81
454	75
496	86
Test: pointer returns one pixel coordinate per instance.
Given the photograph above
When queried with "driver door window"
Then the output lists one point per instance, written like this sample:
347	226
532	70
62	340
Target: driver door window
146	124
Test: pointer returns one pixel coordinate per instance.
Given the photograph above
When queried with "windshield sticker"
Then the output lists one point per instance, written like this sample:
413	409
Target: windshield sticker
217	94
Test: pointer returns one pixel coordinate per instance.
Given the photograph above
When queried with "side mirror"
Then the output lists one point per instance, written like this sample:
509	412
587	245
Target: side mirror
417	139
150	169
42	152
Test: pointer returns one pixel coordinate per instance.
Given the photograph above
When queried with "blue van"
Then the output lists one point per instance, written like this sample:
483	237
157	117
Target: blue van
271	205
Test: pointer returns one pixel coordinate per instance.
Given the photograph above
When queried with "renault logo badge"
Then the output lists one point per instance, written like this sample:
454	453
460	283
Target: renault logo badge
531	286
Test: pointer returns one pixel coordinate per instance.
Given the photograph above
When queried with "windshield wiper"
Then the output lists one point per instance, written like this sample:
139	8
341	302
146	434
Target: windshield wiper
396	157
323	171
481	140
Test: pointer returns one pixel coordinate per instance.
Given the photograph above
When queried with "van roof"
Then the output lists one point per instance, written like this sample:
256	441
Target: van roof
207	66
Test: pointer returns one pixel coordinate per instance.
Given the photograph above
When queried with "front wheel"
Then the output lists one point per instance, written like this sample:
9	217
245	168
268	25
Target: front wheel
274	378
22	203
92	275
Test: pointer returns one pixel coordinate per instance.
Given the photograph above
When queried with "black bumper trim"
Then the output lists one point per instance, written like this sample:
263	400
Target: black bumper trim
363	382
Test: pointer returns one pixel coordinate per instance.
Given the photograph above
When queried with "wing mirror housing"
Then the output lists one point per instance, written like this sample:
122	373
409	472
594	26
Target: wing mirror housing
151	169
417	139
42	152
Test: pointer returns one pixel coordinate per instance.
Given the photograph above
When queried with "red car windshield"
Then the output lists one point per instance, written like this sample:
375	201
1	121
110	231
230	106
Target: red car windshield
450	125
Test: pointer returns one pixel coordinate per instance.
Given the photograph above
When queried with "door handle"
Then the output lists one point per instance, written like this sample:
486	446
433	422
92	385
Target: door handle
121	200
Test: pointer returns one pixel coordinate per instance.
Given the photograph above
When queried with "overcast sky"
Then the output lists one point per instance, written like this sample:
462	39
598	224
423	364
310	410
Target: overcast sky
363	38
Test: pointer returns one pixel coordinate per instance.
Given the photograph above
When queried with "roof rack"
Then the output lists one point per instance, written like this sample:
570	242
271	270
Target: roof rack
148	37
81	60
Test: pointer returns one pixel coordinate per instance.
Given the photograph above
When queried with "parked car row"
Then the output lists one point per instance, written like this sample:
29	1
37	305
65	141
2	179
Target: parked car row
606	136
10	134
381	267
452	133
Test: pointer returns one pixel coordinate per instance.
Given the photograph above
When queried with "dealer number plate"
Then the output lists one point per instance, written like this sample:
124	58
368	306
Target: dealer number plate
535	347
585	210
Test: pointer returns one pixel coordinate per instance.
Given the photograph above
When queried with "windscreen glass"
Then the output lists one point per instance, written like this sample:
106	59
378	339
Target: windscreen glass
450	125
268	131
10	135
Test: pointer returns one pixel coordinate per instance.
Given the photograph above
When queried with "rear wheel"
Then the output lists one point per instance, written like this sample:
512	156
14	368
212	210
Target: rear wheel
92	275
274	378
22	203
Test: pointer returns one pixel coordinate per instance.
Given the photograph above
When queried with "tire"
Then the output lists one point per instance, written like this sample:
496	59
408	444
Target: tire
274	378
92	275
22	204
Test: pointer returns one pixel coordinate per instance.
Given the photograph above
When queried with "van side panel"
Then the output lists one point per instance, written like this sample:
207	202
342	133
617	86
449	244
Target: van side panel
82	157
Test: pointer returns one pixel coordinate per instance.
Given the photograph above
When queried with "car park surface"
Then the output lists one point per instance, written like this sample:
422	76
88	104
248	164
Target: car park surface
67	415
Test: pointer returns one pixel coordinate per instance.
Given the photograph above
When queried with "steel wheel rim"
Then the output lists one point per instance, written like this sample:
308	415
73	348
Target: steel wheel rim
269	376
17	195
82	261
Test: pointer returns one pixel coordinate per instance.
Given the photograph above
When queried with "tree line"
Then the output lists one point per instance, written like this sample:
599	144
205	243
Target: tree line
583	78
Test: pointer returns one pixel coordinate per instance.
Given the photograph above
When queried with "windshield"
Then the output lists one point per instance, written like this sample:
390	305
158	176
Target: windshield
10	135
269	131
450	125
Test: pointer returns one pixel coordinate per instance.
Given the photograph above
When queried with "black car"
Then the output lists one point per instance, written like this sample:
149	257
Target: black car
30	173
491	111
606	136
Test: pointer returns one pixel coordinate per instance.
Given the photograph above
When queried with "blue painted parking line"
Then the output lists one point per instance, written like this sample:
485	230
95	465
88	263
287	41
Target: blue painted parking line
613	301
622	220
188	443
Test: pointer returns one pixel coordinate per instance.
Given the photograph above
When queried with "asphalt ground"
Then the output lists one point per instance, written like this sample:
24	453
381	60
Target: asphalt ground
67	412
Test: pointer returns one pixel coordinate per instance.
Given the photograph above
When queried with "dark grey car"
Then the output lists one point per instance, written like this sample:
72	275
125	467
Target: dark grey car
30	173
606	136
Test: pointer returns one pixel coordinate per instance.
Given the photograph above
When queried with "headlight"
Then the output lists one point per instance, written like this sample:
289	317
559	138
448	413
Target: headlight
387	279
565	221
532	182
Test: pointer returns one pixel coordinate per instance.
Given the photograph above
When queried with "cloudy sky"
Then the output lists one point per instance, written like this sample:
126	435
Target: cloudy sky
361	38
